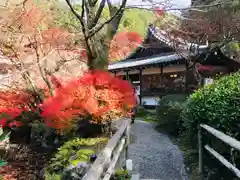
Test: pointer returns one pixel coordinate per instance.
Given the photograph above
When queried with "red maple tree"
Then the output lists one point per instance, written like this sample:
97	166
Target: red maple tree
95	94
38	49
12	104
123	44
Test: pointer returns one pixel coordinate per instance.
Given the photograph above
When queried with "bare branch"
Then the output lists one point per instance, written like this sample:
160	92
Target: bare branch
109	5
98	28
192	8
42	69
84	30
79	17
93	3
98	14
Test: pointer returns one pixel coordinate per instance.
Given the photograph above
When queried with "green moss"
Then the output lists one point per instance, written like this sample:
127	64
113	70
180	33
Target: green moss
121	174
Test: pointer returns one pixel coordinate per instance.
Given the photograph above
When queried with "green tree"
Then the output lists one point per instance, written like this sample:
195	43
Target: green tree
101	20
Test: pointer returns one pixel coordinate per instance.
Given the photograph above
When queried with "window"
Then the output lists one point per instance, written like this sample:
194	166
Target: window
167	82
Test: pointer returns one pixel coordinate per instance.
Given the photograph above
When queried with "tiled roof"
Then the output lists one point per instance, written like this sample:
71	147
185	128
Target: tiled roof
161	57
181	43
145	61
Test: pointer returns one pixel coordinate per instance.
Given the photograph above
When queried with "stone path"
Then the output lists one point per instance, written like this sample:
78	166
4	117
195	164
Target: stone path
154	155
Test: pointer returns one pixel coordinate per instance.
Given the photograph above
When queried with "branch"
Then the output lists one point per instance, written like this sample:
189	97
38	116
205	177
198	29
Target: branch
79	17
193	8
62	62
93	3
42	70
98	28
109	5
98	14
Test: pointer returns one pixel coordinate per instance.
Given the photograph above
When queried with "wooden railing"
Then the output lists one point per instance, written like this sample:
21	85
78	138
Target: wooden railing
105	164
223	137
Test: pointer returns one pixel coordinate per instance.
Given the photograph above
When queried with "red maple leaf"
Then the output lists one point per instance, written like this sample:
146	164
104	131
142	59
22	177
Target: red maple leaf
159	11
123	44
95	93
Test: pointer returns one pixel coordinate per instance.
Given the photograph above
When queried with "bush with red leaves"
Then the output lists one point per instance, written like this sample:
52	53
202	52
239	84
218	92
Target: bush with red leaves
95	94
12	104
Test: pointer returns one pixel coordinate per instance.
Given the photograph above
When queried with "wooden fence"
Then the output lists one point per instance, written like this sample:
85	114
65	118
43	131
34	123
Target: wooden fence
223	137
105	164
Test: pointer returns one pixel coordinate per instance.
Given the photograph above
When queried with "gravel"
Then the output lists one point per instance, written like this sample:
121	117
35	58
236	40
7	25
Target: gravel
154	155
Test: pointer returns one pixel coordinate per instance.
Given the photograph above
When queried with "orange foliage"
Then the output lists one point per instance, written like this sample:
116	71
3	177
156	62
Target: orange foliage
56	36
123	44
95	94
12	104
13	98
31	18
36	48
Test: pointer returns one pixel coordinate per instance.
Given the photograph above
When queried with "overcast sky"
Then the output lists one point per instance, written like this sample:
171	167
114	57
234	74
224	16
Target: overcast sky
169	3
174	3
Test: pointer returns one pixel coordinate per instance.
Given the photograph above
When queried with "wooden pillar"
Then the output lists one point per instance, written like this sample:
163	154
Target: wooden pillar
140	79
200	153
185	78
127	75
161	74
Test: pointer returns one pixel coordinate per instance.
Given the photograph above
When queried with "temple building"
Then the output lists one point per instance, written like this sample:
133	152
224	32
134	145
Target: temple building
157	68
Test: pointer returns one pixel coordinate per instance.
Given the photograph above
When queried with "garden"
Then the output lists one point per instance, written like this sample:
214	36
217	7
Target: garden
54	119
56	134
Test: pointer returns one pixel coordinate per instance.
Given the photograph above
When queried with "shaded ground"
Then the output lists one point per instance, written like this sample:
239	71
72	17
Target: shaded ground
154	155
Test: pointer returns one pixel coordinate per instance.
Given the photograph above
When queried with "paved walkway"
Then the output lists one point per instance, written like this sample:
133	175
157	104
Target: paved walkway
154	155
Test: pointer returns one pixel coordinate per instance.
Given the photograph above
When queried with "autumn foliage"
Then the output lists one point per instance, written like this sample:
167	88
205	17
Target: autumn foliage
39	52
97	95
12	104
123	44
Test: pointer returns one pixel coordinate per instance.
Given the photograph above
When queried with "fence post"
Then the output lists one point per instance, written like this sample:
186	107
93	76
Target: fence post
127	134
200	152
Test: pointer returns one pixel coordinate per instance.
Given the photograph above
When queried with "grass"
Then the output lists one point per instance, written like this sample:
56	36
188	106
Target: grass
146	115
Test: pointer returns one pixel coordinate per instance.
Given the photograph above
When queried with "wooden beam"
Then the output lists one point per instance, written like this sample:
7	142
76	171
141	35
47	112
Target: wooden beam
140	78
116	156
186	73
225	162
223	137
161	70
161	75
127	75
200	153
105	156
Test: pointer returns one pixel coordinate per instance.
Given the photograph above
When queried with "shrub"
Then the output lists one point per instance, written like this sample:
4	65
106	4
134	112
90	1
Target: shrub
141	111
217	105
97	95
121	174
168	113
149	118
73	157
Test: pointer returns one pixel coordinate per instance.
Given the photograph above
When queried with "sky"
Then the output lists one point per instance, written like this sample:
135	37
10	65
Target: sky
170	3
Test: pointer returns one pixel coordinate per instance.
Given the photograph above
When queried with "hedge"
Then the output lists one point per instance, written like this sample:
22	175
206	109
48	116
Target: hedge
217	105
168	113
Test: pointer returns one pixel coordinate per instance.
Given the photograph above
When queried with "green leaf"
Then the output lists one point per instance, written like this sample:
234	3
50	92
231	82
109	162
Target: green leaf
5	136
3	163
